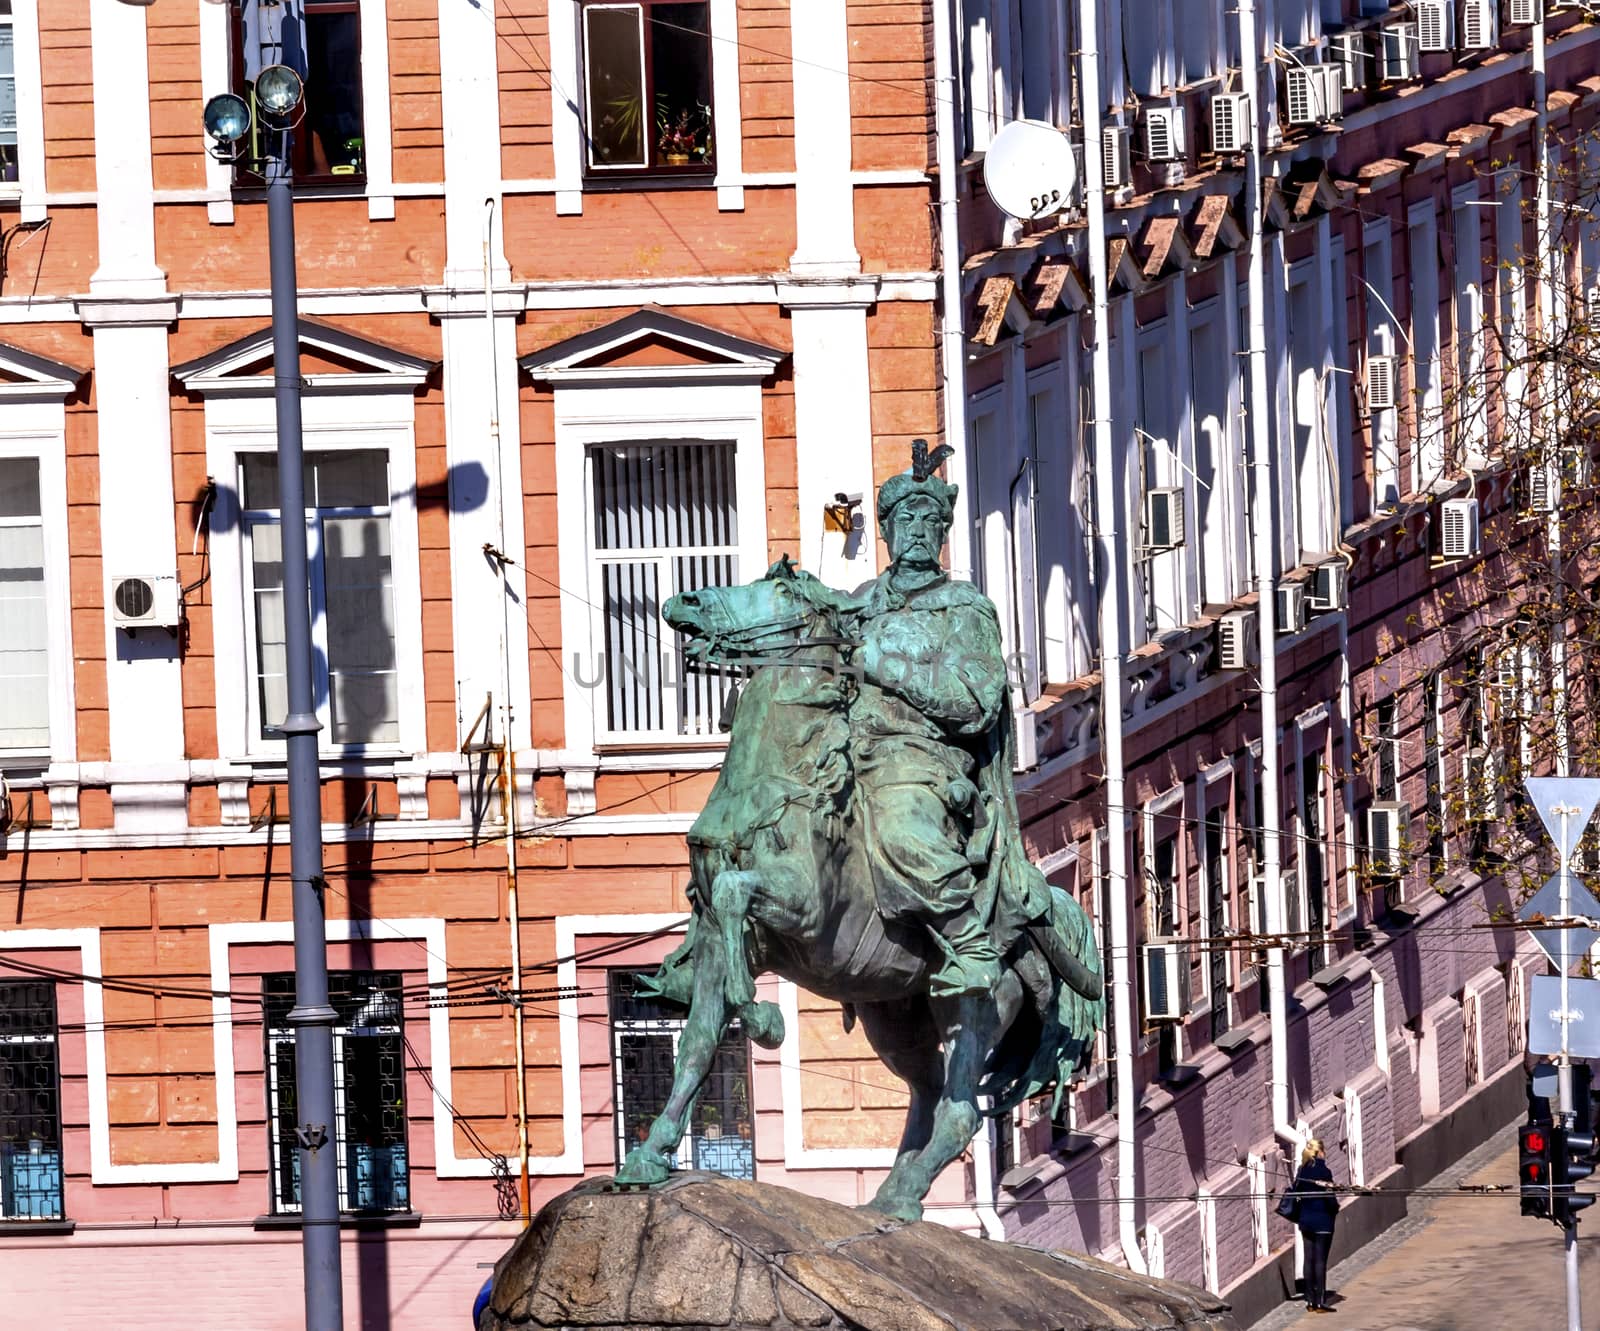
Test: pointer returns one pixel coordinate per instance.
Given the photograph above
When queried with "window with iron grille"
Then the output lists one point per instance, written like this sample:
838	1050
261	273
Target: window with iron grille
644	1045
30	1102
368	1092
664	521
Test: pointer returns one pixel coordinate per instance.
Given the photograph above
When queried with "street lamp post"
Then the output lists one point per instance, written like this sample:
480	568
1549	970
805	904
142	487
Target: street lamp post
227	120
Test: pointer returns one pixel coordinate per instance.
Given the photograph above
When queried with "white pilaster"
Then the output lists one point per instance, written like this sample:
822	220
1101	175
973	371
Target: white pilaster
833	434
124	184
375	118
470	96
825	218
214	79
566	125
725	98
488	606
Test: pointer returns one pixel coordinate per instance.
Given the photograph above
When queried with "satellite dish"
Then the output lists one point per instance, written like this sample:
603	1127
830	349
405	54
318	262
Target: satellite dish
1030	170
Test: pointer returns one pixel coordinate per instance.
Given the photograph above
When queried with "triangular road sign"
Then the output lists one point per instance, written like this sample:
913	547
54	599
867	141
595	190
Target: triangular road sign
1575	796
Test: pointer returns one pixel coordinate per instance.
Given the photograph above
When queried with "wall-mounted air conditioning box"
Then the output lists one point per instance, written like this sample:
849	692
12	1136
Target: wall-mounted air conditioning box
1482	799
1526	11
1459	536
145	601
1116	153
1382	373
1388	824
1163	980
1313	94
1164	139
1291	607
1290	882
1163	519
1539	489
1238	641
1230	122
1399	53
1577	466
1327	588
1436	25
1352	52
1480	25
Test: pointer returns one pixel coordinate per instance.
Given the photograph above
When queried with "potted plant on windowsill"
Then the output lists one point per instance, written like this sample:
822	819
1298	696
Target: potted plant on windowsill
684	139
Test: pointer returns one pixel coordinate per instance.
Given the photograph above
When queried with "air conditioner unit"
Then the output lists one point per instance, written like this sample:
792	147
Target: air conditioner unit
1291	607
145	601
1527	11
1436	25
1351	53
1540	492
1164	139
1230	122
1313	94
1382	374
1480	25
1400	53
1326	590
1290	882
1591	303
1458	526
1388	824
1577	467
1482	799
1116	152
1238	643
1163	519
1163	980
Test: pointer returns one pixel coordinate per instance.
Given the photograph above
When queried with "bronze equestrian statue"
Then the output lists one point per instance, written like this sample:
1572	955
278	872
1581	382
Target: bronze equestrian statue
862	841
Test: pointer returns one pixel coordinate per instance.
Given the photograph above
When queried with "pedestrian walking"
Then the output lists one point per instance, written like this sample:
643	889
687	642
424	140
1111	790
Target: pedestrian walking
1316	1208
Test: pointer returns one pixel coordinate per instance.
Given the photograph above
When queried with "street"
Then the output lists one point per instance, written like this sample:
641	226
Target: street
1459	1263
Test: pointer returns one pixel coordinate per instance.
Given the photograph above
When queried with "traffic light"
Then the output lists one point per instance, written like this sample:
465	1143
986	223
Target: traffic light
1574	1162
1535	1174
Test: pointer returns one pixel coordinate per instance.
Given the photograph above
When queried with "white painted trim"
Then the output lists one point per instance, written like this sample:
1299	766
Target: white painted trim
566	123
222	371
215	78
824	198
727	114
30	108
236	425
796	1154
587	415
376	129
584	359
38	430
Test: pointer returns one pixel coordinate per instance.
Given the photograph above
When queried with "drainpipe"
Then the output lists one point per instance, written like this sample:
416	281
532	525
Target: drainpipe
1266	585
508	776
1112	595
952	337
1552	464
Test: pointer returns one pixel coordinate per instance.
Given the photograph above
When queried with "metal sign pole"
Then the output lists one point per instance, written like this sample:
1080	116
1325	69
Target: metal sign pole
1569	1231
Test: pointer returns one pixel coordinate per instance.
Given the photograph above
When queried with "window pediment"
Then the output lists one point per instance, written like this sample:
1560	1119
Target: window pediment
333	361
652	346
25	374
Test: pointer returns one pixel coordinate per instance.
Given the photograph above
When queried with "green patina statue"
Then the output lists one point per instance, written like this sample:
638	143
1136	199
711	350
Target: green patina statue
862	840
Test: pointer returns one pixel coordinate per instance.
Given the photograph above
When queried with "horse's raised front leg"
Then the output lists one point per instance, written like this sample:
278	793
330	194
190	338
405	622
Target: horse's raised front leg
775	896
650	1162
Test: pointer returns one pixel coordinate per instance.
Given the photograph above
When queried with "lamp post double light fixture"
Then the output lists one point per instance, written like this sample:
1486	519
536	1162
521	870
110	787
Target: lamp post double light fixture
269	131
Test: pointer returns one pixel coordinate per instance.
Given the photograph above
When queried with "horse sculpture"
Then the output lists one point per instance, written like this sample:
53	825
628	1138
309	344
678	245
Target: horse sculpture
780	882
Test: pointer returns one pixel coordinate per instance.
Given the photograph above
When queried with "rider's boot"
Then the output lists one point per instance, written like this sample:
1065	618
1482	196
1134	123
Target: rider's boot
971	963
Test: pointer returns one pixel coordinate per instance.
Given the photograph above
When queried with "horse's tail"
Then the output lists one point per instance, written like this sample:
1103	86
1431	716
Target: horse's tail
1069	1021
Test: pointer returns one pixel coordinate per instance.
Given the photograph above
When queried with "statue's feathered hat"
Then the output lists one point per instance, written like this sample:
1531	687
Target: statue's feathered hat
920	480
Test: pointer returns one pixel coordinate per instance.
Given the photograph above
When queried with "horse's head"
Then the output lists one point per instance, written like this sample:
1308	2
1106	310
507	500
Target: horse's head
786	610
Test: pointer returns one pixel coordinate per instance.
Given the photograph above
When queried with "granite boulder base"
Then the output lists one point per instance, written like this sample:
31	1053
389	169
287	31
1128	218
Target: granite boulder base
707	1251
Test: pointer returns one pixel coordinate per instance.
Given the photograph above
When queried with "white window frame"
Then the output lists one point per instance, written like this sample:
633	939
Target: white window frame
1511	302
568	94
1428	461
1221	564
590	416
1381	336
1214	791
1313	488
1313	738
29	184
331	423
33	425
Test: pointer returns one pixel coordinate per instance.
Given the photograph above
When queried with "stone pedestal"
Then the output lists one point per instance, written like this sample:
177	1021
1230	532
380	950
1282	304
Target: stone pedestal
706	1251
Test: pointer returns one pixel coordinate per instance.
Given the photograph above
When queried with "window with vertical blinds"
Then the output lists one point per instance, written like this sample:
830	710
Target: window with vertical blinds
664	521
24	659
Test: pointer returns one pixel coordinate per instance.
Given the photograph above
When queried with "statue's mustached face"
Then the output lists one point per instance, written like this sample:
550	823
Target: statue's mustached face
915	532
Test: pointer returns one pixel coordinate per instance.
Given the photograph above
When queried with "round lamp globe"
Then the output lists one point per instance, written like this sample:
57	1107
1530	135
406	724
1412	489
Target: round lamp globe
278	89
227	118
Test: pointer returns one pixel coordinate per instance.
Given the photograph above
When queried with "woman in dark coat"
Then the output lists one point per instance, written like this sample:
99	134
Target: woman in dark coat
1319	1207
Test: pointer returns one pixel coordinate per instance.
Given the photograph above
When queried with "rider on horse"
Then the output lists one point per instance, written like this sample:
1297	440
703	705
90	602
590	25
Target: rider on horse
926	742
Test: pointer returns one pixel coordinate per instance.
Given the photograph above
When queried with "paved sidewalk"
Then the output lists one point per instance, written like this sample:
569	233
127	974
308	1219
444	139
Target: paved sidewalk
1460	1263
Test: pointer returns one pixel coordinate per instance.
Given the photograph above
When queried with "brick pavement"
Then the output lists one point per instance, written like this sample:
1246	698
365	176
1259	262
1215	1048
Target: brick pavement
1466	1263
